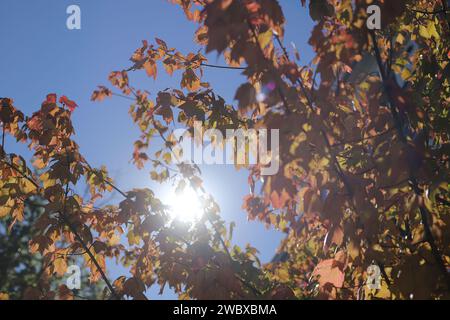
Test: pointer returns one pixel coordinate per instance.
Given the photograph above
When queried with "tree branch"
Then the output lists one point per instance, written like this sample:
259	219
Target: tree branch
222	67
271	69
338	167
399	125
71	227
429	12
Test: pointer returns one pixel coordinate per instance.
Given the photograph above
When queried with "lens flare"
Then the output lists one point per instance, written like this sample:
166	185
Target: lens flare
185	205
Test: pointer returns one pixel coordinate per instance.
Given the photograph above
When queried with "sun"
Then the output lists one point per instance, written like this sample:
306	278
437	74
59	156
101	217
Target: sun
185	205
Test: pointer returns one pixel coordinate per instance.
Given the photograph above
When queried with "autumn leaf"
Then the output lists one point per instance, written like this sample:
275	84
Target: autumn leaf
65	293
429	31
265	38
279	199
151	69
134	288
4	296
60	266
101	94
327	273
51	98
246	97
190	80
319	9
362	139
69	103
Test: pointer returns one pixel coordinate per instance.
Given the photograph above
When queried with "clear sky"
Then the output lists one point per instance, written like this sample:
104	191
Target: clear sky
39	55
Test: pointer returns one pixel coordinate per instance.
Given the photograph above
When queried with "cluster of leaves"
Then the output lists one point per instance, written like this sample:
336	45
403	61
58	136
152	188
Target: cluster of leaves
364	159
20	269
157	250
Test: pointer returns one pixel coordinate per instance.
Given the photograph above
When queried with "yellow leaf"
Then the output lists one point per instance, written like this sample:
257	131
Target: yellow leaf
423	31
406	74
265	38
60	266
4	211
167	158
4	296
47	182
400	38
383	293
114	239
133	239
429	31
283	275
28	187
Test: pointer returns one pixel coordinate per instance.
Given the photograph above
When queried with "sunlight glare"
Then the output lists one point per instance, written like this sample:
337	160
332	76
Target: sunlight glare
185	206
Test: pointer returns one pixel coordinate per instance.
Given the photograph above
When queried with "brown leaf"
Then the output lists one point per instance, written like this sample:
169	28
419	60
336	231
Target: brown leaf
190	80
246	97
65	293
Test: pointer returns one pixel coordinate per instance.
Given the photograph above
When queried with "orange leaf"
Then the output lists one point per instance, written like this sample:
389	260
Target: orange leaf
328	273
150	68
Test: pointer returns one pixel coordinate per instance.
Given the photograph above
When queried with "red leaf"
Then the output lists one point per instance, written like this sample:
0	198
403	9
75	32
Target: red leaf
51	98
69	103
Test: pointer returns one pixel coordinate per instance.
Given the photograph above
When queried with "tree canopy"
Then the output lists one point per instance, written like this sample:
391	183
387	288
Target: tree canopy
364	160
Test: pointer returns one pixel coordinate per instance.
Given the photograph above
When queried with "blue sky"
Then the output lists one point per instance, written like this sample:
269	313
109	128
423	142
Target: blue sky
39	55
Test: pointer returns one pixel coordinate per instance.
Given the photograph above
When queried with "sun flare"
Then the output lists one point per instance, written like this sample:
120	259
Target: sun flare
185	206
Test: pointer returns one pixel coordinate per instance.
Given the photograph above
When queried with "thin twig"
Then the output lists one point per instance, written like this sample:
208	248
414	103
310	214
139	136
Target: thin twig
222	67
428	12
340	144
3	136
